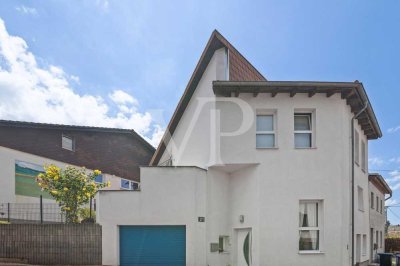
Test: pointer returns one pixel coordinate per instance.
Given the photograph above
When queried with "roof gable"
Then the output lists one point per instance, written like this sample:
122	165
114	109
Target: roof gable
240	69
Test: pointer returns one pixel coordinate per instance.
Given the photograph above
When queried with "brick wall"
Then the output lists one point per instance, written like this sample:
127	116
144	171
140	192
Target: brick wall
52	244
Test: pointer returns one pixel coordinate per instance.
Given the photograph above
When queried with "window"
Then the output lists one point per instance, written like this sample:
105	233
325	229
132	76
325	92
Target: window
381	242
310	225
360	199
134	185
364	245
363	156
381	206
377	238
98	179
67	143
125	184
372	200
377	202
223	244
303	130
265	131
356	147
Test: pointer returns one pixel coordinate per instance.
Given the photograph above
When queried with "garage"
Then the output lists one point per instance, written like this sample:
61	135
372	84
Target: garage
152	245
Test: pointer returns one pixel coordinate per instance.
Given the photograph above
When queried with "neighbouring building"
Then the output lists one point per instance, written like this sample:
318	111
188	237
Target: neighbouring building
378	189
26	147
250	172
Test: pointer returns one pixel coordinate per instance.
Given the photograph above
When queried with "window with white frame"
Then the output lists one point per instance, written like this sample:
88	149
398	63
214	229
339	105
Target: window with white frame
372	200
310	225
67	143
363	157
364	245
129	185
356	147
265	131
303	130
360	199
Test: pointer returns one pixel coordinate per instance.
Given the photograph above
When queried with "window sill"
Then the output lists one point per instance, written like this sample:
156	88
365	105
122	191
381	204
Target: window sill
311	252
267	148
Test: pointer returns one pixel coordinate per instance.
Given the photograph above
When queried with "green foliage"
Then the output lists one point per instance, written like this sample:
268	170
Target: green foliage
70	187
84	214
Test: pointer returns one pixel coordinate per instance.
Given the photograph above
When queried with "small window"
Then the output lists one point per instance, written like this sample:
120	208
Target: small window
134	186
309	225
363	157
356	147
381	242
98	179
381	206
303	130
377	204
372	200
68	143
265	131
377	238
125	184
223	244
360	199
364	245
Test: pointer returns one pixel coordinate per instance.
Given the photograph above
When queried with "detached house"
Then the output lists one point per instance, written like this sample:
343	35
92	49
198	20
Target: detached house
26	147
251	172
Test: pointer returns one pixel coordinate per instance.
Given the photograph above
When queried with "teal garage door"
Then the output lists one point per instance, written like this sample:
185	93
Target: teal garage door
152	245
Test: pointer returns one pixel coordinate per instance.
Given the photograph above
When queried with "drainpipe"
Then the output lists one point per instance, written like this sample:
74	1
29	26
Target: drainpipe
352	179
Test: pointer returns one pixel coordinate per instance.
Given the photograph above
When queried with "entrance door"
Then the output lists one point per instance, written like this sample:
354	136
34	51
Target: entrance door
243	247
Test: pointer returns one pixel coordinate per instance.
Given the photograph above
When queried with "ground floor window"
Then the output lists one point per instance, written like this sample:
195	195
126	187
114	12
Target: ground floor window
310	225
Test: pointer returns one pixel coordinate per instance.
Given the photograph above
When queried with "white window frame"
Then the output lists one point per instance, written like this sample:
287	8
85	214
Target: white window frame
273	132
311	131
63	136
363	156
356	147
364	245
360	197
319	228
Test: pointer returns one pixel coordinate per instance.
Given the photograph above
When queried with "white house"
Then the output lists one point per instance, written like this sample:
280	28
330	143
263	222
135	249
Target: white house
250	172
378	189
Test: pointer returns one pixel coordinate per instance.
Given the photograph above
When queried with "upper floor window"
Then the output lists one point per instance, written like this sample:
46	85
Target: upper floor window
68	143
310	214
356	147
265	131
377	202
360	199
381	206
303	130
372	200
363	156
129	185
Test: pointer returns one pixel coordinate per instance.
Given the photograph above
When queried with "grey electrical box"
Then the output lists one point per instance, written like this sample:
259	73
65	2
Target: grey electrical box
214	247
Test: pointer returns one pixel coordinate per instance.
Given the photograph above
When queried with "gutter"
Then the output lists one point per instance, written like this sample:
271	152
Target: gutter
352	178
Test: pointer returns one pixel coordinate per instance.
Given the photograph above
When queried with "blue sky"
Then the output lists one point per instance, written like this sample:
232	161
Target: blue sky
130	60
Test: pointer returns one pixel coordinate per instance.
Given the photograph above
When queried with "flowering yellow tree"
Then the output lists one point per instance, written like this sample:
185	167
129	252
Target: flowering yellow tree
70	187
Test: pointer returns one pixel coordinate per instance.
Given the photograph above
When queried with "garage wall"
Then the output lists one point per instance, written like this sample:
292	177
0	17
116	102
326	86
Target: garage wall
168	196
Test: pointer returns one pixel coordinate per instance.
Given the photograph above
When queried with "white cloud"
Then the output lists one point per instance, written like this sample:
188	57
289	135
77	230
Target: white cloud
375	161
393	129
122	98
30	92
103	5
26	10
395	160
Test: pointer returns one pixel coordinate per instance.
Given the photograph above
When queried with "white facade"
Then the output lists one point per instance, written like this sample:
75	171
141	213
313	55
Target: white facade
8	158
248	188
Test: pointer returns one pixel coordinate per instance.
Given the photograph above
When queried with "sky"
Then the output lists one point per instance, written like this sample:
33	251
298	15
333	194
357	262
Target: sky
126	63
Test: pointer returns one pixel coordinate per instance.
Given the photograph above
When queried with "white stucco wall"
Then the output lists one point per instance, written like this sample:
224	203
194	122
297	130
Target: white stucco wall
377	219
168	196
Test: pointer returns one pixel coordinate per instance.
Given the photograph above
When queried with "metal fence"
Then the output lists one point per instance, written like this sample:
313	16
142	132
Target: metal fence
37	212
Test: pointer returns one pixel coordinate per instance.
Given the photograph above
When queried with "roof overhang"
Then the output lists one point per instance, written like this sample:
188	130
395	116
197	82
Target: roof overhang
379	182
353	92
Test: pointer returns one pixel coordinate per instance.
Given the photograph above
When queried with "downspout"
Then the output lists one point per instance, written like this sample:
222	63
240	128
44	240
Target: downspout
352	179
